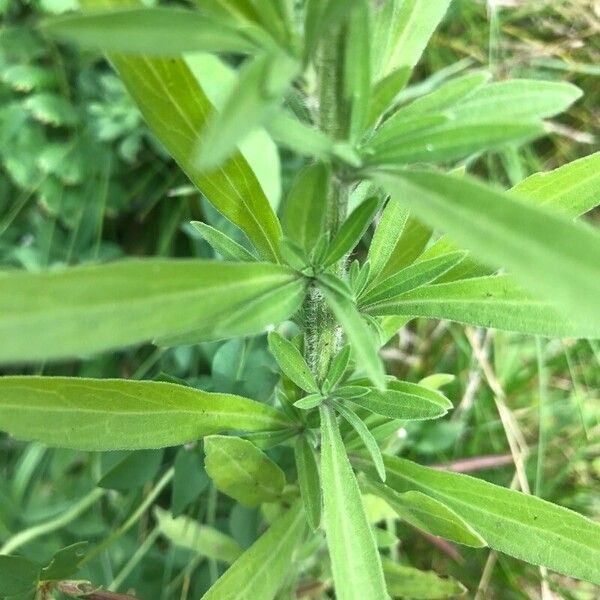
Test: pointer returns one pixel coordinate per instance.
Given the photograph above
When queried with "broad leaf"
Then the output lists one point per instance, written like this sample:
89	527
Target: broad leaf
17	575
152	32
263	568
494	302
308	481
520	99
83	310
365	435
405	27
292	363
114	414
359	335
240	470
517	524
65	563
408	582
544	252
404	400
410	278
200	539
355	561
304	208
229	249
427	514
133	472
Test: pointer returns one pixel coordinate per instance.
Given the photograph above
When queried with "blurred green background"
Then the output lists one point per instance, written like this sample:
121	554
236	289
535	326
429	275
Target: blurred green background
82	179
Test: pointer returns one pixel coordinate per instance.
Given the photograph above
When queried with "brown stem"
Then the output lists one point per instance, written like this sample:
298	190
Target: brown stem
84	589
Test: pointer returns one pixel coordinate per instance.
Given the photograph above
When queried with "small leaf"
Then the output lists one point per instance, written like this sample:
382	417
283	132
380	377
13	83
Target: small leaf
292	363
348	392
309	402
385	91
304	207
365	435
189	481
240	470
404	400
134	471
51	109
259	90
229	249
262	570
410	278
437	380
114	414
408	582
548	254
358	334
355	561
308	481
65	563
517	524
427	514
17	575
150	31
338	368
352	230
200	539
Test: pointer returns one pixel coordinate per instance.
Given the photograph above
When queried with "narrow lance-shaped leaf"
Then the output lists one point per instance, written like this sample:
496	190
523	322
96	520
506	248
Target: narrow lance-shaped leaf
304	207
258	91
385	91
359	335
308	481
223	244
153	32
365	435
546	253
427	514
200	539
82	310
261	571
240	470
115	414
355	561
352	230
292	363
495	302
517	524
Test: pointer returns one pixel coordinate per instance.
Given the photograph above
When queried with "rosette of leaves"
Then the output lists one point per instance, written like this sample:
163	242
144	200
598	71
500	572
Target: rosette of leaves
325	80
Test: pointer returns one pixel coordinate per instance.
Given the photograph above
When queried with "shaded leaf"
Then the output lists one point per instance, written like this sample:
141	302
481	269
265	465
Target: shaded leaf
65	563
134	471
228	248
308	481
292	363
17	575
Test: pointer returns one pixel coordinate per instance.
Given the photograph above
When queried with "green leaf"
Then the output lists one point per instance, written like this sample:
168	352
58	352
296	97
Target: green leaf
387	233
240	470
134	471
304	208
51	109
292	363
352	230
114	414
408	25
310	401
258	91
65	563
337	368
450	141
517	524
365	435
572	189
17	575
355	561
547	254
494	302
410	278
359	335
88	309
308	481
385	91
189	481
229	249
404	400
520	99
427	514
153	32
176	108
201	539
262	570
408	582
446	96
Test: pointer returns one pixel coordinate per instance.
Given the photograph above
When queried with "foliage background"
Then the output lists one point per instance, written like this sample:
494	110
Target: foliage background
82	179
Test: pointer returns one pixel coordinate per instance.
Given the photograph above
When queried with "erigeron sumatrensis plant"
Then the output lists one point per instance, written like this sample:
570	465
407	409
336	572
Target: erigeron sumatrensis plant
327	80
